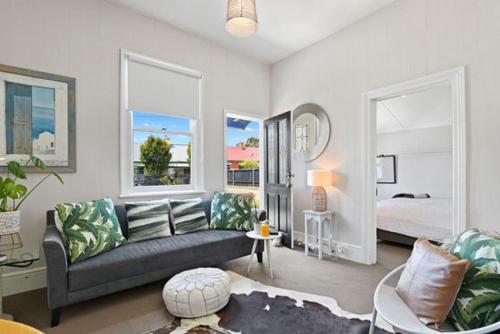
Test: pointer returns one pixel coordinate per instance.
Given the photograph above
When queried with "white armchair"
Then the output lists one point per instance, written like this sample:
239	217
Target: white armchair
394	311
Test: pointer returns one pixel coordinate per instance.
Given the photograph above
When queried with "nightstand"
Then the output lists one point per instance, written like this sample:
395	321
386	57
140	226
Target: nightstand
320	219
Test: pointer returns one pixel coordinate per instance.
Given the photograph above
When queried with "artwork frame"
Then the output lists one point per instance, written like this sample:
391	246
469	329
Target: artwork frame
37	117
386	169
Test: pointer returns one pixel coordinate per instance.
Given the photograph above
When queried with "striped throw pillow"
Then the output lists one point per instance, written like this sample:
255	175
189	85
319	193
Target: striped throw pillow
148	220
189	215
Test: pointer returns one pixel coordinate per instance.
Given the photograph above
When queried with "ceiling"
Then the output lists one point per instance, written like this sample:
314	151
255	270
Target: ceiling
285	26
426	109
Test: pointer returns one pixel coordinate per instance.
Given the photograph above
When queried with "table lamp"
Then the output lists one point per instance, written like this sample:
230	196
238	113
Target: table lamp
318	179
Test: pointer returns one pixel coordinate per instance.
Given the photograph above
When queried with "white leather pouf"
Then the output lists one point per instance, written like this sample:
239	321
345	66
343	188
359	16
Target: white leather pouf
196	293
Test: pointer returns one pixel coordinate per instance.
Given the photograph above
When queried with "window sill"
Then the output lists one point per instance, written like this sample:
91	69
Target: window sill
163	193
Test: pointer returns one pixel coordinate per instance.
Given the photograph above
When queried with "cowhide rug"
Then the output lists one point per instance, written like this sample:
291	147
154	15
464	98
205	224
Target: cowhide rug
255	308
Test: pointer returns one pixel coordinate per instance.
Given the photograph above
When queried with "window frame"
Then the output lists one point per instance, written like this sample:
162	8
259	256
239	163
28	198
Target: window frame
127	188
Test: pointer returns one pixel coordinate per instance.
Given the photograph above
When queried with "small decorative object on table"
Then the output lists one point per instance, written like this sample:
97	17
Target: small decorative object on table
16	193
264	230
255	217
318	179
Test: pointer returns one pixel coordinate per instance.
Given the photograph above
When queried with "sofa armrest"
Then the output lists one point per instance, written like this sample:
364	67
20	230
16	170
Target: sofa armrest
57	267
261	213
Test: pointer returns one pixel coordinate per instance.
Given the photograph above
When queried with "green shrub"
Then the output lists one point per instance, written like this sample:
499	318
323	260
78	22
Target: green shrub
249	164
155	155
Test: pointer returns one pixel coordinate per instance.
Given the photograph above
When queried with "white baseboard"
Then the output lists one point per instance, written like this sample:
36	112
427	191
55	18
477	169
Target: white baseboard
24	280
349	251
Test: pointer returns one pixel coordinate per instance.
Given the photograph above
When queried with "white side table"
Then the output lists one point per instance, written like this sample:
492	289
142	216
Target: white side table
268	244
320	218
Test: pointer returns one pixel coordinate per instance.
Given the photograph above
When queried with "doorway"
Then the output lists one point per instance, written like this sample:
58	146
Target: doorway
385	167
243	155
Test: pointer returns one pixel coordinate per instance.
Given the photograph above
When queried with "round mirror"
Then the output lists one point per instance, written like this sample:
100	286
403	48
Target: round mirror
310	133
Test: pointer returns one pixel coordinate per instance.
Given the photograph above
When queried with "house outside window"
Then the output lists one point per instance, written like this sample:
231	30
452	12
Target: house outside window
161	128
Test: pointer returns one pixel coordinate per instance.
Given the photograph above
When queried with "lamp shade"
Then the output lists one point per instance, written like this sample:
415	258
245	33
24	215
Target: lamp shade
318	178
241	17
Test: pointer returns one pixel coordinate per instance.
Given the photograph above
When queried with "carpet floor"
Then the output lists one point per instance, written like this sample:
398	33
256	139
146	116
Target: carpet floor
141	309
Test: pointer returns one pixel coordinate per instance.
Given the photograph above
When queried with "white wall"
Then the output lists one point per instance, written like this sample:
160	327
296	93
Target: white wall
82	39
406	40
423	161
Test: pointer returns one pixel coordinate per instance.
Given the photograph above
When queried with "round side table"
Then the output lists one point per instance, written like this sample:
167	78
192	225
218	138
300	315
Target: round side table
267	242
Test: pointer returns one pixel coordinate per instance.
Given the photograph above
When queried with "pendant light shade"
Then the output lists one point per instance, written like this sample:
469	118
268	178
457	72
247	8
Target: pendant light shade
241	18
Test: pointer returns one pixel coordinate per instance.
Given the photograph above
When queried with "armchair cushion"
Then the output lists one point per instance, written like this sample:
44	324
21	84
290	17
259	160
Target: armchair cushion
478	301
430	282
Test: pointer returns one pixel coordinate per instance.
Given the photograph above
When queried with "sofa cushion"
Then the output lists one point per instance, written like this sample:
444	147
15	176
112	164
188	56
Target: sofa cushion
148	220
232	211
189	215
206	248
478	300
89	228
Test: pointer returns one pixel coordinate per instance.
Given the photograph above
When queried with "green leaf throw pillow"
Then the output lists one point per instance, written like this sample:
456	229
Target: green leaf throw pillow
232	211
478	301
90	228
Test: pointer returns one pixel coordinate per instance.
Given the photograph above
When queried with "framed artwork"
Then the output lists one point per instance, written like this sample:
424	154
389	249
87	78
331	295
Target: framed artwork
37	117
386	169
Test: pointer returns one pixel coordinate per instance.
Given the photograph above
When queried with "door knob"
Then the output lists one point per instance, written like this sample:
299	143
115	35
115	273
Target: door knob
289	175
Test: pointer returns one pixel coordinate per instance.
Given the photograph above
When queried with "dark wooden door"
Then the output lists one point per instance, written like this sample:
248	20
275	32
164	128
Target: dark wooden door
277	175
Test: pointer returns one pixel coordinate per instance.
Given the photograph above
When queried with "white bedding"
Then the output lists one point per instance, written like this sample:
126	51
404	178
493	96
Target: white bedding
429	217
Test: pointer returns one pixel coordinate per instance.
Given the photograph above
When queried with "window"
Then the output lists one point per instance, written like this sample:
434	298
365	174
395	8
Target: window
162	149
160	128
243	136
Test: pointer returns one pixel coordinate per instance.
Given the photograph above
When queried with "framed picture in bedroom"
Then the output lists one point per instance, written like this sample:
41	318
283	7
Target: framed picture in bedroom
37	117
386	169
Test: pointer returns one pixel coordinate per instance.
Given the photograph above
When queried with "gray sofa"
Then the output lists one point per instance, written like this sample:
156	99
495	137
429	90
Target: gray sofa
134	264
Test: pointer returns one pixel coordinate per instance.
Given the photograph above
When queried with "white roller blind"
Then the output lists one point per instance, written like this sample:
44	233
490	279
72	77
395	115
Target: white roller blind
162	90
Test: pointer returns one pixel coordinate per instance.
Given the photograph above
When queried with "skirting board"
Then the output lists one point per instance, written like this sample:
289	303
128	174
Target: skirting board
24	280
349	251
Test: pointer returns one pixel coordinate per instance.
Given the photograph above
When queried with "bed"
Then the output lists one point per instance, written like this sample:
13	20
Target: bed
402	220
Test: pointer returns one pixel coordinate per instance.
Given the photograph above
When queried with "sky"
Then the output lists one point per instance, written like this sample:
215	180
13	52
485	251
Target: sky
43	113
235	136
162	122
148	120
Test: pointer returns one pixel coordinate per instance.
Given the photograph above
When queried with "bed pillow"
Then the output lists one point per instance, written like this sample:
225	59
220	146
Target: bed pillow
148	220
89	228
478	301
430	282
188	215
232	211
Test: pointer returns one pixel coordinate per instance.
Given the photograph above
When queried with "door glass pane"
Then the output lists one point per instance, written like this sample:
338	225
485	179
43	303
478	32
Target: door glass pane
271	156
283	151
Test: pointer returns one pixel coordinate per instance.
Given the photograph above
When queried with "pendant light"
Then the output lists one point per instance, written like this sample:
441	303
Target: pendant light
241	18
